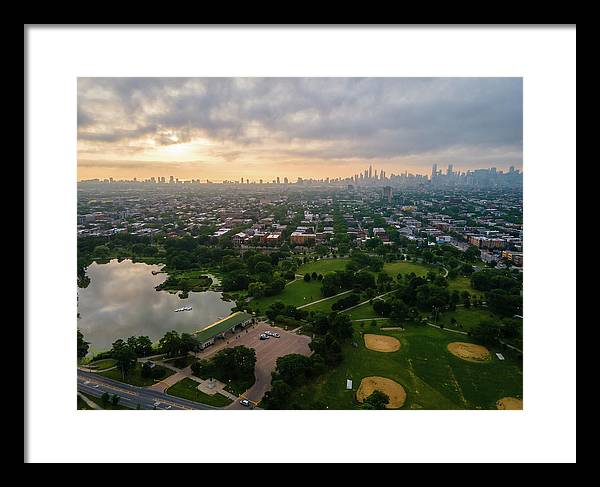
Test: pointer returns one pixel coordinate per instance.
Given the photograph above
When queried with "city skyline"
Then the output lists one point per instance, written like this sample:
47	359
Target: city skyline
260	128
370	174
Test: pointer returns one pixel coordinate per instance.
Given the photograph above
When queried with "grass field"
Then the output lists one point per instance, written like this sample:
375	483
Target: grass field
103	364
361	312
325	306
297	293
187	389
323	266
432	377
403	267
461	284
135	376
468	318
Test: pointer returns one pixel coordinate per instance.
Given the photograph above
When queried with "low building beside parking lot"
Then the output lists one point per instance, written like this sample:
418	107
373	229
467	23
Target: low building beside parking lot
219	329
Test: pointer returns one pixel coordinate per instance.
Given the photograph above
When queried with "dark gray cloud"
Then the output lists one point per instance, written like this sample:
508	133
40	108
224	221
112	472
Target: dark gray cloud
331	117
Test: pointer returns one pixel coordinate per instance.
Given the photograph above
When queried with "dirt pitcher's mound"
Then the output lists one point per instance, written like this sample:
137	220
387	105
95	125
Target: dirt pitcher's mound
511	403
382	343
469	351
394	391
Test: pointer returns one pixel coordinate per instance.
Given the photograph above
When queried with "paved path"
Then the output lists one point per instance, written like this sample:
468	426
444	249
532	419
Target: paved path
96	371
173	379
447	329
324	299
511	347
367	301
371	319
90	403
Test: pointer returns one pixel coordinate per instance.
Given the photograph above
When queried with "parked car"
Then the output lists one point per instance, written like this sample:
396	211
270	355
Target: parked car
276	335
263	337
269	333
245	403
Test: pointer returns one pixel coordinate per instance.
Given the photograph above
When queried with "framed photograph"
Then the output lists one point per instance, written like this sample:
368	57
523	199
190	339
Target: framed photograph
332	243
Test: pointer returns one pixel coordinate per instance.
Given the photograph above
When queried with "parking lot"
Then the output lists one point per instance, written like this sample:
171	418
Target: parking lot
267	352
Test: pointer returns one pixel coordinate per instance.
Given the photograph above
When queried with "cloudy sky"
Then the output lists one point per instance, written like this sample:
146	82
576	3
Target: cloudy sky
228	128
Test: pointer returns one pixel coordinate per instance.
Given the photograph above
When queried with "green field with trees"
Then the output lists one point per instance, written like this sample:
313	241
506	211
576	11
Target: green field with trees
432	377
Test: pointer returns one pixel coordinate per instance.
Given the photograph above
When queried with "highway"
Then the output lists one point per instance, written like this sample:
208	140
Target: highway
96	385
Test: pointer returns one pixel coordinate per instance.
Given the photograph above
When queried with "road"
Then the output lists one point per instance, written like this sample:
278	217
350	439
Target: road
96	385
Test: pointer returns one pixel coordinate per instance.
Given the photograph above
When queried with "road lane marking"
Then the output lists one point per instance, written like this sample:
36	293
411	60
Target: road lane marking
115	388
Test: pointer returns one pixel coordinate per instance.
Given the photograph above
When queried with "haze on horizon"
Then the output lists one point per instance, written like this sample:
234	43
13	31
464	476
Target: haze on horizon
232	128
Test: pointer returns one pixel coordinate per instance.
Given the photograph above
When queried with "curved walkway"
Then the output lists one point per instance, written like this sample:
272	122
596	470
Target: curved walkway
324	299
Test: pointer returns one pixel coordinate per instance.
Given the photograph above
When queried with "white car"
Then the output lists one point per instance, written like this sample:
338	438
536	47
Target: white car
245	403
276	335
269	332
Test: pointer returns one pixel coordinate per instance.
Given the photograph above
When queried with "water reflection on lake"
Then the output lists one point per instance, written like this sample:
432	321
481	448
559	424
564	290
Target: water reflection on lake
121	301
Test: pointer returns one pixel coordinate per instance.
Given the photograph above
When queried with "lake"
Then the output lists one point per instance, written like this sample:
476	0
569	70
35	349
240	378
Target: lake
120	301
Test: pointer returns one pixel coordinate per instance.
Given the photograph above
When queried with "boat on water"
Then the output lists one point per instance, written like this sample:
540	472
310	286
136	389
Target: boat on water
185	308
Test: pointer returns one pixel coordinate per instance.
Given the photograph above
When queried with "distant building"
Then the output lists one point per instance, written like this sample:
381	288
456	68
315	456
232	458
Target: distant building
387	193
300	238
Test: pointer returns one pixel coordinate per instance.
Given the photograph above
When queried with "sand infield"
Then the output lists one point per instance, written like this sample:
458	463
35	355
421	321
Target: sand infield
394	391
469	351
509	403
381	343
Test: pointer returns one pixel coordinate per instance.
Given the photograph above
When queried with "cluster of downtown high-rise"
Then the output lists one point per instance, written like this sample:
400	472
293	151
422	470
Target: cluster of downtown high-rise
490	177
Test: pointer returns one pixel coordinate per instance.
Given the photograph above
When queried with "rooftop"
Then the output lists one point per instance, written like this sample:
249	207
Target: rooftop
222	325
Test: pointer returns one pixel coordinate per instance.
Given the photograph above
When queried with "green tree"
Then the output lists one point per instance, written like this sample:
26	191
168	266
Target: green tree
377	399
124	356
293	369
170	344
82	346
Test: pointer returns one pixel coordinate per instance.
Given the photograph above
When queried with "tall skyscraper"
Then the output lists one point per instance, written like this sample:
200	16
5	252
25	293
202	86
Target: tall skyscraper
171	180
450	168
370	171
433	171
277	179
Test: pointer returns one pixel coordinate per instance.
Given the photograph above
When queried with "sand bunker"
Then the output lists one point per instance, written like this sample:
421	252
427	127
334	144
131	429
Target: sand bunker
394	391
511	403
382	343
469	351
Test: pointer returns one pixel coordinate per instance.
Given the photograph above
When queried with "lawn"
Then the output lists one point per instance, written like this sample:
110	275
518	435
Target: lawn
135	376
325	306
469	318
187	389
403	267
461	284
81	404
431	376
362	312
297	293
103	364
188	360
323	266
